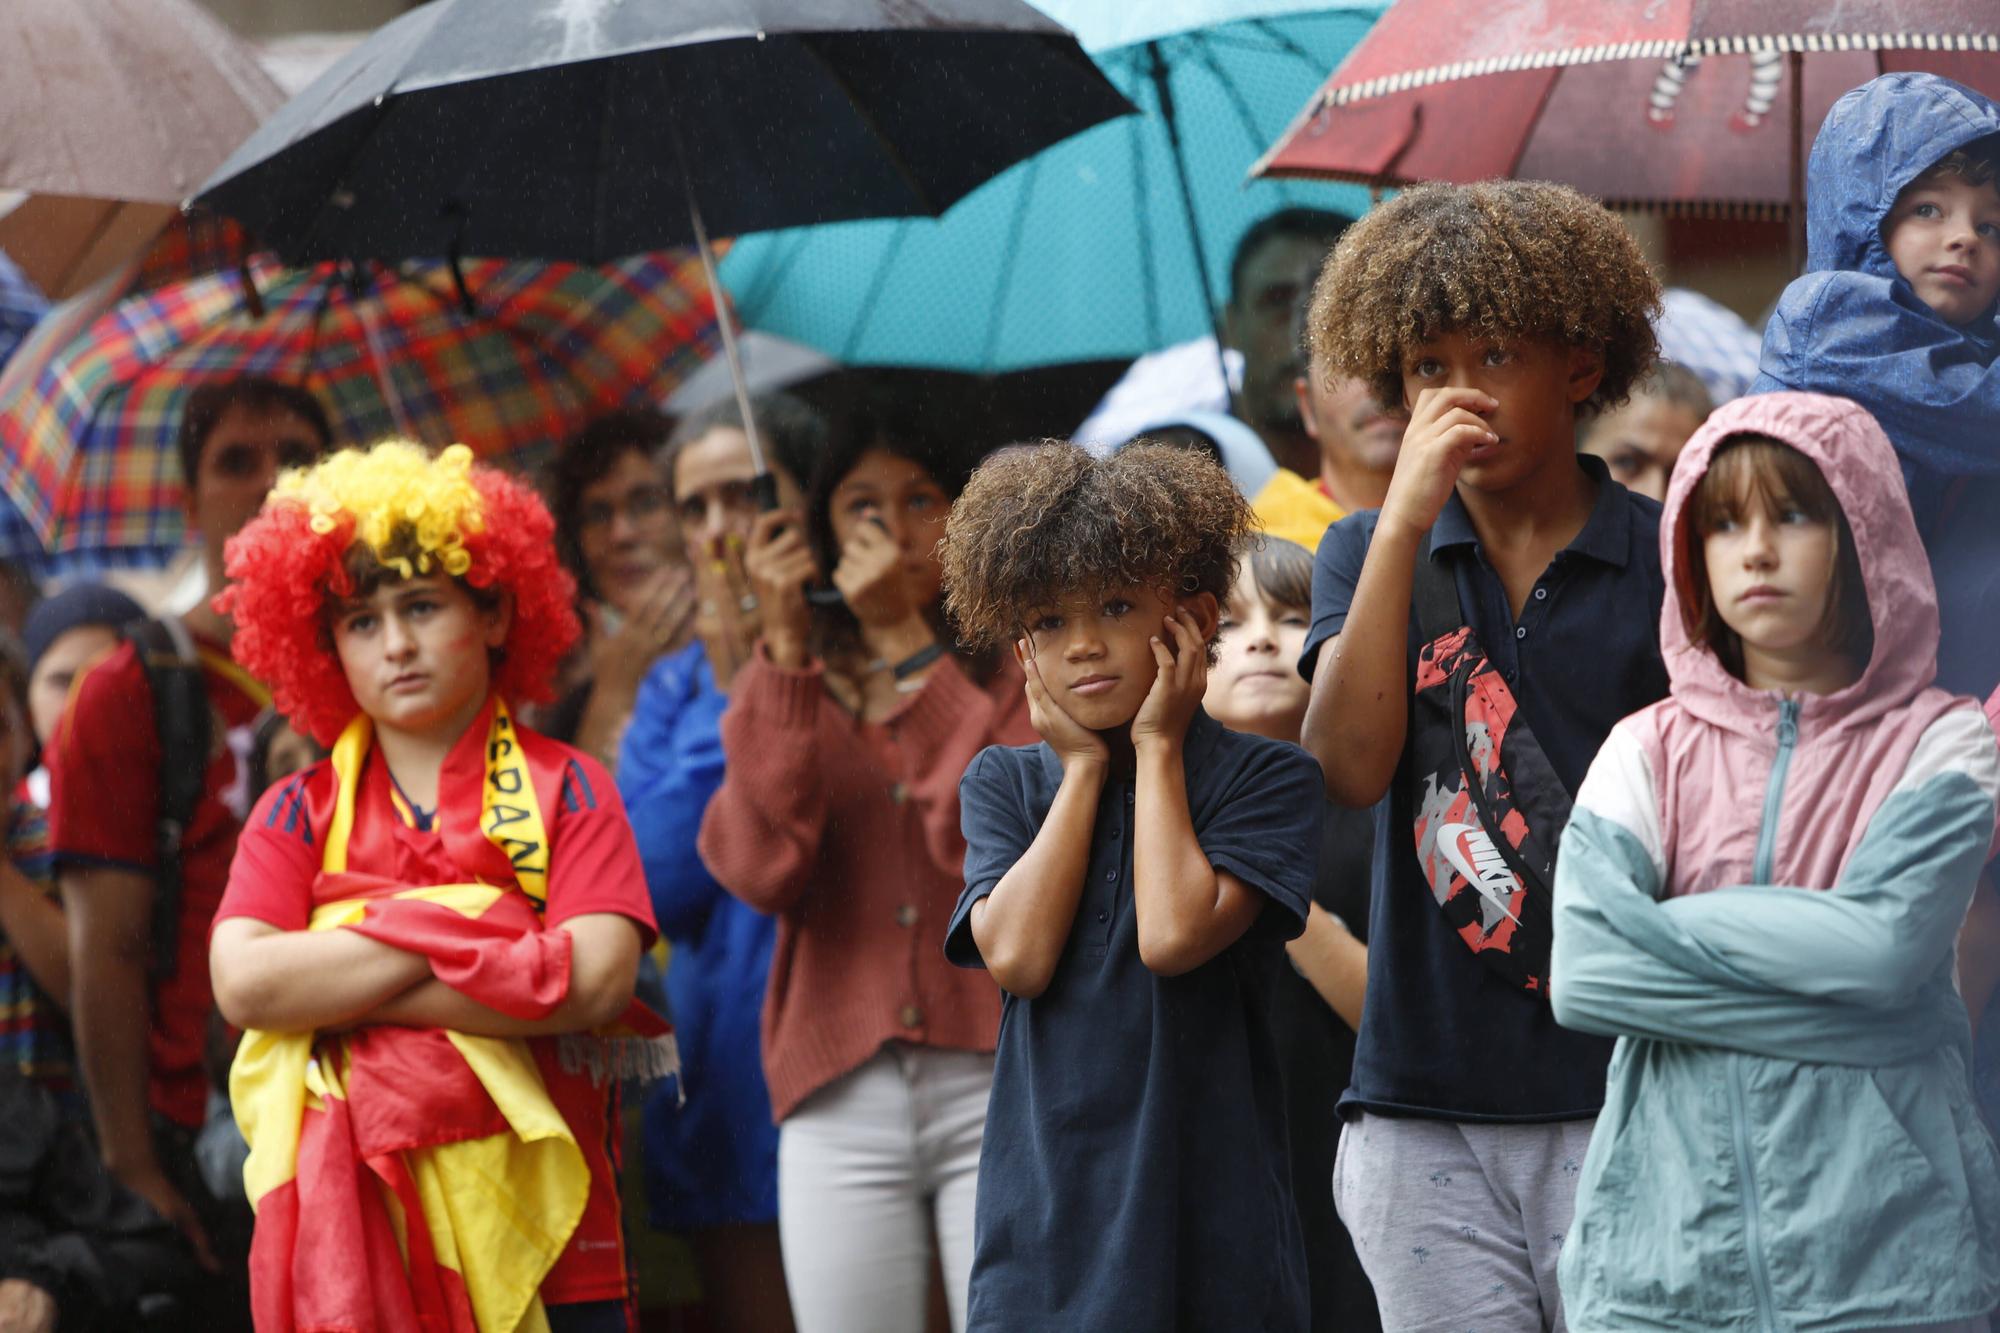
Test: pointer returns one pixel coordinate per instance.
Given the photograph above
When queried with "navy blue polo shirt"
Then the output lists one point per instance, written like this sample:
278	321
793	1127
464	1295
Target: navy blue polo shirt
1135	1172
1442	1034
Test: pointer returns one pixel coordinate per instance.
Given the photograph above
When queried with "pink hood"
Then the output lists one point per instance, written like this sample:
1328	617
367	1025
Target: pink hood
1713	741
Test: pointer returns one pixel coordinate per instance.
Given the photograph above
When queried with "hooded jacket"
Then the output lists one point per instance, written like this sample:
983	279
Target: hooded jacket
1853	326
1760	897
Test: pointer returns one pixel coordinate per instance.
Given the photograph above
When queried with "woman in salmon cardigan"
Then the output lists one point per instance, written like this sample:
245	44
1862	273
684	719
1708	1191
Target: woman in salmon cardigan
845	738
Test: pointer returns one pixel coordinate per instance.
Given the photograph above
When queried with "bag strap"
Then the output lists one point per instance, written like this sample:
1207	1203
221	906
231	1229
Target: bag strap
172	665
1434	594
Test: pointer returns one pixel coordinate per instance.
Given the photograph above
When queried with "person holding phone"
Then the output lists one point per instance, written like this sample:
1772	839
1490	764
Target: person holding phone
844	739
710	1157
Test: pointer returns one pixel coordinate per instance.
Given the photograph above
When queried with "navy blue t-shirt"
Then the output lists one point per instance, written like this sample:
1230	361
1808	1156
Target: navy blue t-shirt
1442	1034
1135	1171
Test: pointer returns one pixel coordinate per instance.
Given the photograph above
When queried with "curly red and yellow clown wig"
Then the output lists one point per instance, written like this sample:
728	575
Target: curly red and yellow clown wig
414	514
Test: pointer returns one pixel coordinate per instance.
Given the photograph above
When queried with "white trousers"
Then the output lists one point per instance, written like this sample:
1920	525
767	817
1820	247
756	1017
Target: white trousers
864	1164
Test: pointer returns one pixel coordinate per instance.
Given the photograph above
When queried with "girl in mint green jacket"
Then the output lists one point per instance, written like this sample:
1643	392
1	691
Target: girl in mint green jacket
1759	893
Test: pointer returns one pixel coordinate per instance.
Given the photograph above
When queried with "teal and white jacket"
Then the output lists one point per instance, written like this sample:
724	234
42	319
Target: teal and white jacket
1760	897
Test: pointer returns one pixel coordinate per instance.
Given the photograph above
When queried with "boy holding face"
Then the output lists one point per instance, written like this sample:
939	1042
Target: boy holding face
1130	883
1494	312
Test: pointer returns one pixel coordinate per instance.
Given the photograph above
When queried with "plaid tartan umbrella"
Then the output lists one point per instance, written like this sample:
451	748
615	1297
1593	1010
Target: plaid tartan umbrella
508	361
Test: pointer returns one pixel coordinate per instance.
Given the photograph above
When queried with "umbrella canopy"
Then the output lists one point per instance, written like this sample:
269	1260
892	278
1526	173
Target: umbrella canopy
769	363
123	99
559	129
1690	106
87	433
111	114
1085	251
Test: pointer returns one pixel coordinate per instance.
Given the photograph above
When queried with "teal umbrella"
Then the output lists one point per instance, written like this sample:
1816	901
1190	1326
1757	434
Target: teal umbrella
1090	249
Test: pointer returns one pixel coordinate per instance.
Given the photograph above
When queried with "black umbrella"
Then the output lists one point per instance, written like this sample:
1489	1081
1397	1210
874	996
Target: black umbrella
588	129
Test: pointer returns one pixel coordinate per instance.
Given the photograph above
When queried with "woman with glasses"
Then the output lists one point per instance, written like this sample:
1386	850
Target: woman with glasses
616	531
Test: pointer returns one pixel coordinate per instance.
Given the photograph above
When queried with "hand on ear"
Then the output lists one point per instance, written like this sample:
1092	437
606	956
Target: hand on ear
1206	611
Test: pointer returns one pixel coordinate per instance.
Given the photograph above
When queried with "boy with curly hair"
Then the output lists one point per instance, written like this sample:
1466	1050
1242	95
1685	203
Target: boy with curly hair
431	937
1494	312
1130	882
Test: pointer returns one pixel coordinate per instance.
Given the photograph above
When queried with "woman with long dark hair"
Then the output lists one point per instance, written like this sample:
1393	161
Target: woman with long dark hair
845	737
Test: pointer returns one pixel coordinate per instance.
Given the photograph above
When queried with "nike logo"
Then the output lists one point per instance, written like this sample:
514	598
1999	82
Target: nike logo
1472	854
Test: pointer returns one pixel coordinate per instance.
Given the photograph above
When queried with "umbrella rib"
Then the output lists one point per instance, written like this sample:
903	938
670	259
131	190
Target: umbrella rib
876	283
382	109
1289	46
1143	205
1283	43
1245	117
324	304
1169	117
448	303
888	147
788	246
1014	226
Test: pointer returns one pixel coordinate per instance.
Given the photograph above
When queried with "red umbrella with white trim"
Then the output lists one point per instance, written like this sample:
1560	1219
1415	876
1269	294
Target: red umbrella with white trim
1700	106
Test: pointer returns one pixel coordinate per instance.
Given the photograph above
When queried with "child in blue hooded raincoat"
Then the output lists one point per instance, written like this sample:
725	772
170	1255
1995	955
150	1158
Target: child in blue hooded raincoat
1888	335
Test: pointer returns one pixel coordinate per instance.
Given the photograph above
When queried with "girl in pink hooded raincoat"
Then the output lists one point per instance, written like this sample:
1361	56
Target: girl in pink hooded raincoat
1759	893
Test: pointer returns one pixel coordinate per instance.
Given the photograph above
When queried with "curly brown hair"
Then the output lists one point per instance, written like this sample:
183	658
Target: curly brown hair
1500	259
1039	525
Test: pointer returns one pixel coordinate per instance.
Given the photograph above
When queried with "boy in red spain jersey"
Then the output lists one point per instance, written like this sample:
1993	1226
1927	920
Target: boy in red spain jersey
431	935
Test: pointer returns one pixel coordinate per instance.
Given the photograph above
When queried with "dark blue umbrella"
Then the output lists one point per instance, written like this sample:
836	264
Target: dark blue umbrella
588	130
567	129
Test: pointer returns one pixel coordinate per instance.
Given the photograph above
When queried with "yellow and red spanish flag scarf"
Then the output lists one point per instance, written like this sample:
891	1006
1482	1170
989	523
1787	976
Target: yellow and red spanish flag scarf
411	1179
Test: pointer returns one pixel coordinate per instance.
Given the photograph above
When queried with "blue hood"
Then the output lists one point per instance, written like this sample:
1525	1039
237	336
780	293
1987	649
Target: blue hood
1852	327
1876	140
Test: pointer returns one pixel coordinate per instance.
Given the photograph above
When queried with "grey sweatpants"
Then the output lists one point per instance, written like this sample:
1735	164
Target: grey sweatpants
1459	1225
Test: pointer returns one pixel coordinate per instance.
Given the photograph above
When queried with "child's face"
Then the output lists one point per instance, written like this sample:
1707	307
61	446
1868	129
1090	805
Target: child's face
56	670
1944	237
1255	685
1640	441
239	462
905	501
1770	572
415	655
1096	656
1538	386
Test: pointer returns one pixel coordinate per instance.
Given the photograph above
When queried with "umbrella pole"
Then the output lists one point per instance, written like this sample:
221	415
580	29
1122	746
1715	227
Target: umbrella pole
1796	69
1163	90
763	484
